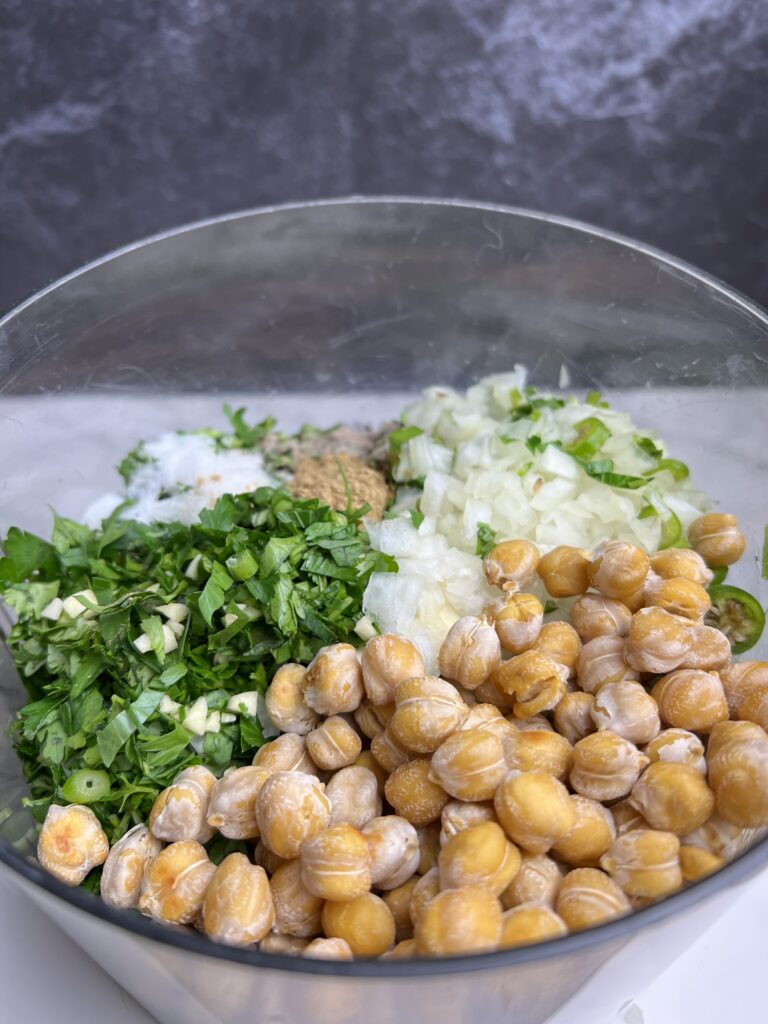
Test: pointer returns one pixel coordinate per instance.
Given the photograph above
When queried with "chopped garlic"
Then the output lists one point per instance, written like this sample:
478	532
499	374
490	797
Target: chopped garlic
229	619
143	644
213	722
175	612
227	718
196	716
74	607
170	643
167	706
365	628
177	628
53	610
249	700
191	571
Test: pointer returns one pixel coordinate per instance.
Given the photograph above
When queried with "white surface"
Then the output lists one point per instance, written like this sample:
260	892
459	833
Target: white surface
718	980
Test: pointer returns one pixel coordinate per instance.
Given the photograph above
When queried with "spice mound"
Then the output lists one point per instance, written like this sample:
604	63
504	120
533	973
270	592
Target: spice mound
341	480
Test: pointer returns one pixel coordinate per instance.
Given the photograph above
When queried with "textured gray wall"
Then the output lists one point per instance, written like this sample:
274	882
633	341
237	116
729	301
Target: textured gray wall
119	119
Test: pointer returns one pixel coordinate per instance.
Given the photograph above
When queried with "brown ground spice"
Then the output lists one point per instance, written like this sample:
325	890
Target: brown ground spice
323	478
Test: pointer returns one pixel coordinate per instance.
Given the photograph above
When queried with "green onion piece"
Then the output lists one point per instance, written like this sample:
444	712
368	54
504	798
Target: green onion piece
595	398
671	532
591	435
678	469
649	447
399	436
242	565
417	517
549	607
85	787
486	540
524	469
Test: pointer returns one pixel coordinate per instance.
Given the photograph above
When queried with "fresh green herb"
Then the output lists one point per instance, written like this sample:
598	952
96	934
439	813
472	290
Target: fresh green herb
289	574
486	540
550	606
649	447
591	435
524	469
678	469
595	398
764	572
529	409
133	460
398	438
417	517
244	436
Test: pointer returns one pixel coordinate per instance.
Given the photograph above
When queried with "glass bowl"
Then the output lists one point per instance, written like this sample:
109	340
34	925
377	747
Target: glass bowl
340	310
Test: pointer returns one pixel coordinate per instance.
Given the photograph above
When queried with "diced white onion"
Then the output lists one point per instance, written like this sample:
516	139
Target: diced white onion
196	716
53	609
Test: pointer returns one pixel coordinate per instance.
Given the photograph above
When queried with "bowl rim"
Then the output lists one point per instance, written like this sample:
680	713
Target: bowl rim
737	870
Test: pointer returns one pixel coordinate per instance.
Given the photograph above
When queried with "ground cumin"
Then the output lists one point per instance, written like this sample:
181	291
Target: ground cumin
324	478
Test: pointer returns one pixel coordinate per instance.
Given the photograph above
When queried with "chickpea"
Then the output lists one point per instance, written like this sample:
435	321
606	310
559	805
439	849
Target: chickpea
518	622
399	901
479	855
594	615
560	642
627	710
328	949
179	812
373	718
428	710
291	807
681	563
618	570
470	652
678	597
724	733
573	718
287	753
335	863
626	817
717	538
71	843
367	760
334	682
354	796
458	815
564	571
677	746
388	752
490	694
511	565
691	699
365	923
425	890
333	744
393	851
754	707
589	897
722	838
737	774
672	797
266	859
740	678
284	945
232	806
238	908
285	700
536	682
529	923
538	750
591	836
403	950
480	716
175	882
386	662
710	649
469	765
658	641
602	661
297	910
645	863
429	846
537	881
414	793
459	921
697	864
605	766
534	810
124	867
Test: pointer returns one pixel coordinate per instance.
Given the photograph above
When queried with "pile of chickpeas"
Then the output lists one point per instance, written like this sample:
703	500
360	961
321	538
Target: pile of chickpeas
554	777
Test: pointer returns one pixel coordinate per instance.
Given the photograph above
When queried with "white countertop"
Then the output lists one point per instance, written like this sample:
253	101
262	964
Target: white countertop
719	978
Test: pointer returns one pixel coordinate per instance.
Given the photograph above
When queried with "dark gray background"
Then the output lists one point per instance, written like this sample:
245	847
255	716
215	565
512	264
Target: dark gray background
119	119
